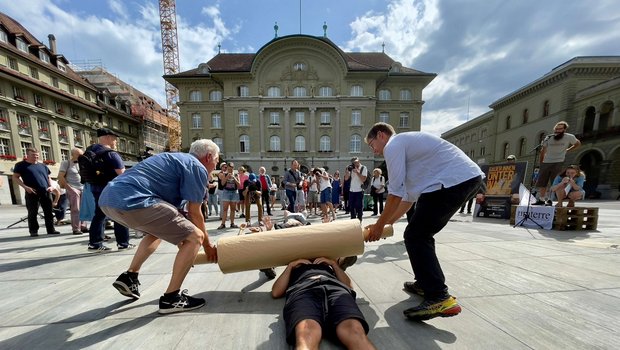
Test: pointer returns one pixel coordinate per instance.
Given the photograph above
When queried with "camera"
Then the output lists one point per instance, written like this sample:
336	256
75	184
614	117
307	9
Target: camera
350	167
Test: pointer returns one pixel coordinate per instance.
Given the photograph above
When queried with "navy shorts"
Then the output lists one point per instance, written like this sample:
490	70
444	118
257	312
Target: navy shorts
324	301
326	195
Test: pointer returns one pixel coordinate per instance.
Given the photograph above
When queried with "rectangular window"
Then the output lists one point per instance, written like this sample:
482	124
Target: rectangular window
77	138
55	82
44	129
38	100
216	121
58	107
3	37
244	91
4	119
404	120
357	90
243	118
356	117
74	113
45	153
23	124
62	134
18	94
326	118
25	146
61	66
71	89
87	95
5	147
13	63
300	118
34	73
64	154
21	45
274	118
196	121
44	56
384	117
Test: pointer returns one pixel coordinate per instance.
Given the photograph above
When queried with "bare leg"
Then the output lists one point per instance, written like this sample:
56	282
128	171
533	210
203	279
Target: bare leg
147	246
225	208
185	259
308	335
352	335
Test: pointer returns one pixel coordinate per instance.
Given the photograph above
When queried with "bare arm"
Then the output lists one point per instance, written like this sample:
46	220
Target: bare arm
17	179
281	284
574	146
195	216
62	181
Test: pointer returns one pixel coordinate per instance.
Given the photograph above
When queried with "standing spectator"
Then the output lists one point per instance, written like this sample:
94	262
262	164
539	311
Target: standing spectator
148	198
377	188
313	193
346	191
113	166
301	195
292	181
229	196
34	178
69	178
552	157
357	173
213	196
272	195
283	197
241	204
252	192
265	182
325	188
336	189
438	177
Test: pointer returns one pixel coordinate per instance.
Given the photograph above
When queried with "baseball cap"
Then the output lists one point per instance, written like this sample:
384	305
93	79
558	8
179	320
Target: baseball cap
105	132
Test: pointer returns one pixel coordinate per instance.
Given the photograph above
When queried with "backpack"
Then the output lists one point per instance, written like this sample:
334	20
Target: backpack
93	168
368	180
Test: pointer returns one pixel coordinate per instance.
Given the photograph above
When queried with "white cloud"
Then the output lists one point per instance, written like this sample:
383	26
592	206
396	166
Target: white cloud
118	7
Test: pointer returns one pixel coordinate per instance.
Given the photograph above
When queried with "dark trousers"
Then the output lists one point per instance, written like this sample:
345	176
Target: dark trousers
61	207
265	197
32	205
377	199
292	198
356	204
469	202
97	226
432	212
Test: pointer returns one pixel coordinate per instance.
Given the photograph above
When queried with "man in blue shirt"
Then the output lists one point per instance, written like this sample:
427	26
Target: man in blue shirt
34	177
148	197
438	177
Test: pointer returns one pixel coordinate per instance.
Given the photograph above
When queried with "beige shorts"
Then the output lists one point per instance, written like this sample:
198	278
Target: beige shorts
161	220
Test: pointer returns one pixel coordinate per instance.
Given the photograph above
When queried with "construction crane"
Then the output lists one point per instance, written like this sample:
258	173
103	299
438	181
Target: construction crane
170	48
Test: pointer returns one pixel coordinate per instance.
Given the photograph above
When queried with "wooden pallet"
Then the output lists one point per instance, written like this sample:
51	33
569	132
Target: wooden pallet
577	218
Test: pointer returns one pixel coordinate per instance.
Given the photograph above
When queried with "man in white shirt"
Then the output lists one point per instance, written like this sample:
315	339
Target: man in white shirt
357	173
438	177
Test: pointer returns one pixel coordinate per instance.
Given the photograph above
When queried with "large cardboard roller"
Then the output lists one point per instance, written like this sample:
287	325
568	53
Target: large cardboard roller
276	248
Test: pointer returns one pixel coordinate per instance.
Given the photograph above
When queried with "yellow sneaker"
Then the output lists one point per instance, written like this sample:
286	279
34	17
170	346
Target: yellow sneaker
431	308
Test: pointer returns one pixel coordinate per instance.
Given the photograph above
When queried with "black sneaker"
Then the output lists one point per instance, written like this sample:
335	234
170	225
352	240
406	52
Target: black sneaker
179	303
539	202
347	262
270	273
124	247
413	287
548	203
127	286
98	249
53	233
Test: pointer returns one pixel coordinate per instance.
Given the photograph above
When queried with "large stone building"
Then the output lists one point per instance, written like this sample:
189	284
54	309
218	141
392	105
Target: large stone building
299	97
46	104
585	92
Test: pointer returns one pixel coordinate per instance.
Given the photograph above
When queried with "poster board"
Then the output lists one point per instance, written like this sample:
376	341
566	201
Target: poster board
502	182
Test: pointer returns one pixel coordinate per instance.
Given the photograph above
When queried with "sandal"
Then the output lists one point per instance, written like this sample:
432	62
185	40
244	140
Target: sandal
222	226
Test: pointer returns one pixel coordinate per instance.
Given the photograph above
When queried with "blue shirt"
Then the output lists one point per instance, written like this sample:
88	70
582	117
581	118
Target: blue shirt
168	177
579	181
33	175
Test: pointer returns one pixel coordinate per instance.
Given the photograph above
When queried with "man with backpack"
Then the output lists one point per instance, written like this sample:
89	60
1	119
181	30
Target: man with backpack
358	174
99	165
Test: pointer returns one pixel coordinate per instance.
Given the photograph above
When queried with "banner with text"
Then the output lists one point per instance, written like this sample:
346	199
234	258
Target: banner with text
540	215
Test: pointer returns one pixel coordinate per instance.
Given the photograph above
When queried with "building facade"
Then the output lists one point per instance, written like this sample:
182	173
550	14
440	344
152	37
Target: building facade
298	97
585	92
45	104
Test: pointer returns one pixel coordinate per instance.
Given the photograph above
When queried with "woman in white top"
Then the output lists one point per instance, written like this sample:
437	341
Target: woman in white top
325	189
376	190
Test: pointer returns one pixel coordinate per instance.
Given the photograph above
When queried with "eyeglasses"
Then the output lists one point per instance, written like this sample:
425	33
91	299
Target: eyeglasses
370	144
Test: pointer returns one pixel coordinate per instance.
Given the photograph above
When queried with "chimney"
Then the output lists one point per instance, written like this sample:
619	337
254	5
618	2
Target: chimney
52	40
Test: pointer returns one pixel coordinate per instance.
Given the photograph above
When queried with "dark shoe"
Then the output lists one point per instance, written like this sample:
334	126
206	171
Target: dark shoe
221	227
241	216
98	249
77	232
179	303
128	246
430	309
347	262
53	233
106	238
233	226
469	212
34	234
460	212
413	287
539	202
270	272
109	226
127	286
548	203
84	229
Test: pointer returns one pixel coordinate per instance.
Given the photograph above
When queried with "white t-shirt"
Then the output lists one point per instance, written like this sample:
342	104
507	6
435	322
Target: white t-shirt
555	150
419	162
312	187
324	183
378	183
356	182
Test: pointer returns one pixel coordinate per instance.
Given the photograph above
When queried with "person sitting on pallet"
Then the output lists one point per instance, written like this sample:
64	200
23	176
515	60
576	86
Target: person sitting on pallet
569	185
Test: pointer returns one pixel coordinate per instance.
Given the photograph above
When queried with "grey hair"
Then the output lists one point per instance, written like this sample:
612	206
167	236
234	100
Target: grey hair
202	147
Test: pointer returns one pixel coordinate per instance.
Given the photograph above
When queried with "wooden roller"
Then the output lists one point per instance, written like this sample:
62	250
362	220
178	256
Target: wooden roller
279	247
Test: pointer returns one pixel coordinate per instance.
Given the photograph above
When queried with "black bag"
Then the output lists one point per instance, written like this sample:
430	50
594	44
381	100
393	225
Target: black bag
368	180
93	167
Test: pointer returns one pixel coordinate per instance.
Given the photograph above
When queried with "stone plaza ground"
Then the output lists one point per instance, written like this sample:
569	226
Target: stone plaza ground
519	288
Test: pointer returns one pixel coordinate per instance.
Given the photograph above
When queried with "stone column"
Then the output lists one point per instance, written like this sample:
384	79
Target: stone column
337	134
615	116
597	119
313	126
287	130
261	123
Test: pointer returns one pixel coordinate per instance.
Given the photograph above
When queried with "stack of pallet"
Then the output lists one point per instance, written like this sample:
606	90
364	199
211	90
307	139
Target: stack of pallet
576	218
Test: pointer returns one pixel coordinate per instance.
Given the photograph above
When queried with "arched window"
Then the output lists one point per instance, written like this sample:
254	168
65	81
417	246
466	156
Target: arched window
522	146
243	91
325	91
274	143
219	142
357	90
216	121
588	122
404	120
244	144
546	109
195	96
273	91
384	117
356	144
526	116
385	95
541	137
508	124
244	119
300	143
506	150
405	95
356	117
299	91
215	95
325	143
196	121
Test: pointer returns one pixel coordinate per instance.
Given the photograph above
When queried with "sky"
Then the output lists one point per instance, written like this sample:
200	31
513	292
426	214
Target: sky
481	50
